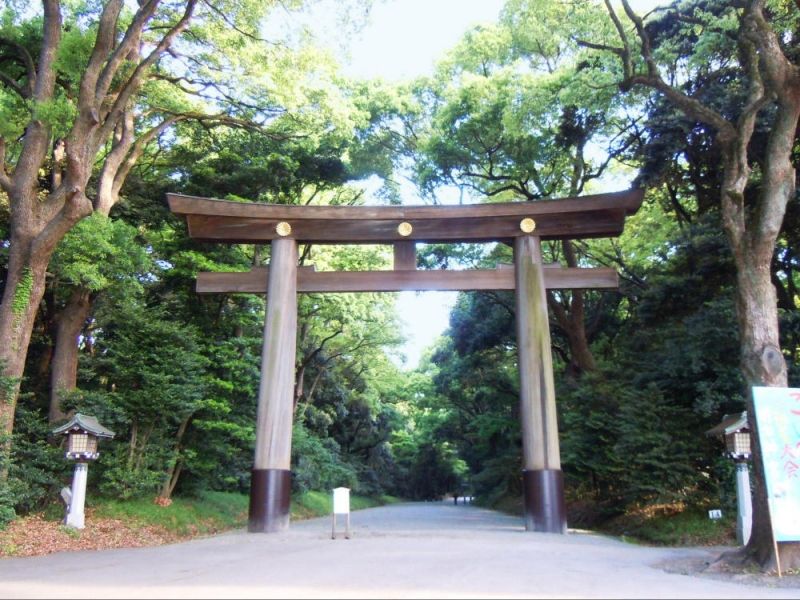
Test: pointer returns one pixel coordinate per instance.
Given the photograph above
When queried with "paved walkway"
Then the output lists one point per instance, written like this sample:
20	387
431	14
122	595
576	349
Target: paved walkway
421	550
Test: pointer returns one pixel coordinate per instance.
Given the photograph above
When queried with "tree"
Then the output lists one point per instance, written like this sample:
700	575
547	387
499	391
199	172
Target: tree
515	117
753	45
62	118
87	90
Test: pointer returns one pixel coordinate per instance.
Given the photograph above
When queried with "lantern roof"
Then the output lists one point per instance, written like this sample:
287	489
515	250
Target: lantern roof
86	423
731	424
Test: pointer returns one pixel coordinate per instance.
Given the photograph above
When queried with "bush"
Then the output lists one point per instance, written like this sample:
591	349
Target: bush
316	464
7	512
38	468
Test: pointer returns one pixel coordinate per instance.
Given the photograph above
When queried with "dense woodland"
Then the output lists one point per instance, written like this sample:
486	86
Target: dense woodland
103	111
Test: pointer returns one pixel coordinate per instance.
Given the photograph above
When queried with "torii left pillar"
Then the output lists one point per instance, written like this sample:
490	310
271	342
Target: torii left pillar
542	479
270	485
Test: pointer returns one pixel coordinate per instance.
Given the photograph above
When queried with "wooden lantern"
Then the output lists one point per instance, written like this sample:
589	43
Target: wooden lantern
82	433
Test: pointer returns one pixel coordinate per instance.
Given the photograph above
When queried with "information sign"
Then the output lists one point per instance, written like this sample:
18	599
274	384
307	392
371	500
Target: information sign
777	412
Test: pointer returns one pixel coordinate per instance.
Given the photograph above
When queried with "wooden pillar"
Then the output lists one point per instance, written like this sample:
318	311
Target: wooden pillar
543	481
405	256
270	487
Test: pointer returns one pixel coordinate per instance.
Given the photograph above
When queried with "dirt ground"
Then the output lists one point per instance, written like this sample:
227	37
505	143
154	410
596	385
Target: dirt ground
35	536
705	567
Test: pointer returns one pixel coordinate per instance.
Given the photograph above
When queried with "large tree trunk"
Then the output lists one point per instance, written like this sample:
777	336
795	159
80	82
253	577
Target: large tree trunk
763	365
570	314
761	359
25	285
64	374
176	466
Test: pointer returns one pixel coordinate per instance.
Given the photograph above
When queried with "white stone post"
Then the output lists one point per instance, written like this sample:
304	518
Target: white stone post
78	499
744	518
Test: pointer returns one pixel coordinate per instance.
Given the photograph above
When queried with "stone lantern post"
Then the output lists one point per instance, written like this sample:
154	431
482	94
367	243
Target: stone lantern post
82	433
735	429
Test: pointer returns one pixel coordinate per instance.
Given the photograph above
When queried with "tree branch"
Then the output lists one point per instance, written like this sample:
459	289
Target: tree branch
76	206
235	27
138	149
605	48
37	134
27	60
128	46
106	198
627	58
691	106
104	42
134	81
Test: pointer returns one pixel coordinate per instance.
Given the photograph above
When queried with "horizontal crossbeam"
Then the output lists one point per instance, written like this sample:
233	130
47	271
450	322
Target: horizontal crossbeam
309	280
601	215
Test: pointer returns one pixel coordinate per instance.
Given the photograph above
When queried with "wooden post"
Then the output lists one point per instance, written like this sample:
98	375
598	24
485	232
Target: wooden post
405	256
270	487
543	481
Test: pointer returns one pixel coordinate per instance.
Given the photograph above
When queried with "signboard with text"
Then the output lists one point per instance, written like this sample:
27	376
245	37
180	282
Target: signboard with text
777	413
341	501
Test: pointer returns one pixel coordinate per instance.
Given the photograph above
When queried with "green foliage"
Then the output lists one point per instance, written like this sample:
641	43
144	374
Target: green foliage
13	114
22	293
209	512
99	253
58	113
674	525
147	378
515	106
307	505
659	465
38	469
7	501
126	481
316	463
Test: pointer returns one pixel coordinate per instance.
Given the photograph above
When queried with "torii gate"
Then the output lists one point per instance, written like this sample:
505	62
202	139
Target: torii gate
522	224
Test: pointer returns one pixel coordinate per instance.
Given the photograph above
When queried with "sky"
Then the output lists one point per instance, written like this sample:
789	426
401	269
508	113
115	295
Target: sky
403	39
397	44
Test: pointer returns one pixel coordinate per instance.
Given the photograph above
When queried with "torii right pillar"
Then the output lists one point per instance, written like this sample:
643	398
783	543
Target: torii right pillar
543	481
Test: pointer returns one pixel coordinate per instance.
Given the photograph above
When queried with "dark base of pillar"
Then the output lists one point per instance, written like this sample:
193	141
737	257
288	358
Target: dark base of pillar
545	510
270	495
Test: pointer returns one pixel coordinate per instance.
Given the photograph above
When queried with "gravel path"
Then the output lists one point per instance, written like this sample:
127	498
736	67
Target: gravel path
419	550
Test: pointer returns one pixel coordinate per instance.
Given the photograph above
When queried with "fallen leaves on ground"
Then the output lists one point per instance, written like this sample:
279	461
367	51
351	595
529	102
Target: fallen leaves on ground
33	535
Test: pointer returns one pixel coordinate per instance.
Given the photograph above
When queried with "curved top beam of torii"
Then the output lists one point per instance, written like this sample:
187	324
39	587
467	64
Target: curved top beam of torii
600	215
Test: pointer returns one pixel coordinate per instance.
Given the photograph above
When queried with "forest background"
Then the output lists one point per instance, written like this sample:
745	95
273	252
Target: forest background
207	99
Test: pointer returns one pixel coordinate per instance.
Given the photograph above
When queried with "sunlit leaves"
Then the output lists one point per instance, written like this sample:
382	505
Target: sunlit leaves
100	252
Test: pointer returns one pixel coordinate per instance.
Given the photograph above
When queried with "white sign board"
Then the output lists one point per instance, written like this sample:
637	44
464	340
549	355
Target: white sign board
341	501
777	412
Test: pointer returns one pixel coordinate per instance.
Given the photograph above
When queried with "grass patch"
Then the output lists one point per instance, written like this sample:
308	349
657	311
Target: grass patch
212	512
658	525
309	505
672	525
209	512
